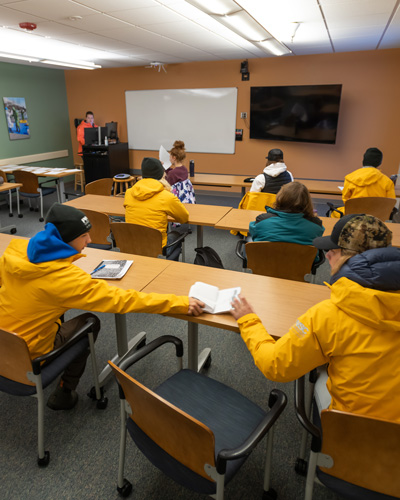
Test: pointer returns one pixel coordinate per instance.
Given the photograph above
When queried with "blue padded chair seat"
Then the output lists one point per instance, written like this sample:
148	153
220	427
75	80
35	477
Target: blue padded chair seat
45	192
231	417
49	372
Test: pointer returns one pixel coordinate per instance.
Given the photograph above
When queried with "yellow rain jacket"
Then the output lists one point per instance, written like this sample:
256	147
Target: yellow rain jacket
34	296
356	331
148	203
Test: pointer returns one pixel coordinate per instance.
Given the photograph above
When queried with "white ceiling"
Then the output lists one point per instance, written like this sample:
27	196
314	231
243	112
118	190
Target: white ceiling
115	33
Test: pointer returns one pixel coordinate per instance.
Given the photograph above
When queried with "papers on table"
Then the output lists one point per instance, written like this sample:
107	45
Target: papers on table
164	157
111	269
216	300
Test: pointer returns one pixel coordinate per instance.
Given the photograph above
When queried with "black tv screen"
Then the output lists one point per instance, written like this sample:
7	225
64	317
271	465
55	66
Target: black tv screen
299	113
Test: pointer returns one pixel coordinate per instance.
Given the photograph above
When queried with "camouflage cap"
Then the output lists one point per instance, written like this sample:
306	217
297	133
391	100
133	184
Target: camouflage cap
357	232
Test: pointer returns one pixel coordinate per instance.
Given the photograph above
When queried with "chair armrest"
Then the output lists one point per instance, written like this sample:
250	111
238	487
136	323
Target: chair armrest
239	247
332	208
77	195
322	259
50	356
180	238
152	346
299	403
277	403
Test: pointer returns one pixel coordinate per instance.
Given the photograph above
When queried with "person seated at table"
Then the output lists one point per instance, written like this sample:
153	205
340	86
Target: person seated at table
367	180
274	176
356	331
291	220
39	282
150	201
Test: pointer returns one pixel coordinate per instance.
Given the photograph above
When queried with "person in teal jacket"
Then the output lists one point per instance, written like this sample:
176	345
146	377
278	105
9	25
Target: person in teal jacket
291	220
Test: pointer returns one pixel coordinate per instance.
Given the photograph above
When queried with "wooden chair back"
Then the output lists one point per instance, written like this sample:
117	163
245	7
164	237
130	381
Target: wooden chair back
137	239
183	437
29	181
377	206
15	361
100	226
101	186
290	261
365	451
257	201
3	175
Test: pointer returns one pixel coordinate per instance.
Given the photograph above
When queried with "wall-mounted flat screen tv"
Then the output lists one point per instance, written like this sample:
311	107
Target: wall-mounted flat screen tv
299	113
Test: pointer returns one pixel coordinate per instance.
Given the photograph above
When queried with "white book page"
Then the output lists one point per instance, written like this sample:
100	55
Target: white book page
206	293
164	158
225	297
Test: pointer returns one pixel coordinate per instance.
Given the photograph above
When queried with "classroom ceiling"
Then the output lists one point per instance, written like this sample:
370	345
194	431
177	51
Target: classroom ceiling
117	33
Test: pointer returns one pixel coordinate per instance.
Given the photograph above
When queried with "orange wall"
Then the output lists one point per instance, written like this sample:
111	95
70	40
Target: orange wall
369	113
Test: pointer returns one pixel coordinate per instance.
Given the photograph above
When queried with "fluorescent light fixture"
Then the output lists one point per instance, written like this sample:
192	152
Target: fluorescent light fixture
80	64
272	45
217	7
244	25
18	57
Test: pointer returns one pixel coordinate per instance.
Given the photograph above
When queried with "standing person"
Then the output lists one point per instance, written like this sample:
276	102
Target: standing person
80	131
274	176
356	331
177	172
367	180
150	201
292	219
39	282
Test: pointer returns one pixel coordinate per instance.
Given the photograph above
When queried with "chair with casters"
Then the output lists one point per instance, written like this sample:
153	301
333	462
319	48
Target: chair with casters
100	233
142	240
278	259
102	187
3	175
32	189
354	455
22	376
194	429
373	205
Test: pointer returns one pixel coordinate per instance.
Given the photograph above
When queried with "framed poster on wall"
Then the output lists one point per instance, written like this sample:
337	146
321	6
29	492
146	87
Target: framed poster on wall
17	118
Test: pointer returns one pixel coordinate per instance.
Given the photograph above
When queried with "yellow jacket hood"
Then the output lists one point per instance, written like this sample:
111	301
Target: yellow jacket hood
145	189
364	176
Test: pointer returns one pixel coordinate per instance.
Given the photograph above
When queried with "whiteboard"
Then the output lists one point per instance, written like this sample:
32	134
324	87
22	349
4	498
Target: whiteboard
205	119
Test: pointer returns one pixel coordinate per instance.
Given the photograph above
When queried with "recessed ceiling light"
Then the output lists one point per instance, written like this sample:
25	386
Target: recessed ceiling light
75	18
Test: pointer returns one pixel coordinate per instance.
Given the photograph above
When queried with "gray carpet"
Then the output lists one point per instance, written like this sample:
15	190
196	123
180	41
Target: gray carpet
84	442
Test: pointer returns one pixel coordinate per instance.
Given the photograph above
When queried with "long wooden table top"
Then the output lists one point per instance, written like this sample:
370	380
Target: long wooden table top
41	171
203	215
278	302
239	220
6	186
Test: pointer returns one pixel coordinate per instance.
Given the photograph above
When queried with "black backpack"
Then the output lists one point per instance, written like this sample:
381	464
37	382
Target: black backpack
207	256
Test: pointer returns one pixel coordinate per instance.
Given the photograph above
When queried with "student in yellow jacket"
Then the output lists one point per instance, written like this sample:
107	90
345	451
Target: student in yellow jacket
356	331
367	181
149	203
39	282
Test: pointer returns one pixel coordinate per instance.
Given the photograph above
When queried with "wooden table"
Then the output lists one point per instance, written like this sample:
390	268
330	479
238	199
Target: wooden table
56	173
9	186
199	215
278	302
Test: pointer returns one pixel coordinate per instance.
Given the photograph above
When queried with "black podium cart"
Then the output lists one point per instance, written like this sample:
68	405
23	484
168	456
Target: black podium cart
105	161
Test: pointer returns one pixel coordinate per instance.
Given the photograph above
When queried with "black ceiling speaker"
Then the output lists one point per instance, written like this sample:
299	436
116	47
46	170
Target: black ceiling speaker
244	69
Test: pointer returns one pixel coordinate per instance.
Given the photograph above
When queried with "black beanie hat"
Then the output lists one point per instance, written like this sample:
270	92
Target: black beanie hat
275	155
69	221
151	167
372	157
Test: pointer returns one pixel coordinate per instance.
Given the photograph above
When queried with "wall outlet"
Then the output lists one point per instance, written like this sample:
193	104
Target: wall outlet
243	115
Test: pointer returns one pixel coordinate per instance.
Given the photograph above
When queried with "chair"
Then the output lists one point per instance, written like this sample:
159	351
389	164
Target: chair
354	455
100	232
32	189
79	177
101	186
255	201
194	429
377	206
121	183
278	259
21	376
141	240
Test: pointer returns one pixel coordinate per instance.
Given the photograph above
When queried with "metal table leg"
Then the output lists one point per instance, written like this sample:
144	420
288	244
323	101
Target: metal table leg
199	236
195	361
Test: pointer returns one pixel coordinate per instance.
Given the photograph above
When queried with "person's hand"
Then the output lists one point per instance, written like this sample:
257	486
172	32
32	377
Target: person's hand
240	307
195	306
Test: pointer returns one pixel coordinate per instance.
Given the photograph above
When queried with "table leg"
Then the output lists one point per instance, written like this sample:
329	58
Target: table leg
195	361
243	191
199	236
61	190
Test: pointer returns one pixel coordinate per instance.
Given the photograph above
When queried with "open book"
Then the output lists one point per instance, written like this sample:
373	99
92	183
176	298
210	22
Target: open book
111	269
163	156
216	300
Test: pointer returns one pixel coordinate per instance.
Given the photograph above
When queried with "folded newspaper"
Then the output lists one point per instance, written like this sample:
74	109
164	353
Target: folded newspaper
111	269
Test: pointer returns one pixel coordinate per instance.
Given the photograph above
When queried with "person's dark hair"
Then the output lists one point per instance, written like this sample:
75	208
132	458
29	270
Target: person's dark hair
89	113
372	157
178	150
294	197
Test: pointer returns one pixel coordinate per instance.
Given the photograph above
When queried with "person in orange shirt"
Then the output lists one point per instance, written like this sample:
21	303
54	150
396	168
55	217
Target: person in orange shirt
80	131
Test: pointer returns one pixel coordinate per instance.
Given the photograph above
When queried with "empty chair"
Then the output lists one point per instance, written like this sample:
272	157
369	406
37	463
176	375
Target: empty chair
32	189
141	240
194	429
378	206
100	231
101	186
21	376
353	455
